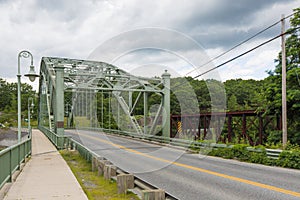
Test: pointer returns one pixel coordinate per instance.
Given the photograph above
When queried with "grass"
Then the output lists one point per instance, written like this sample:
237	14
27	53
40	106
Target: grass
95	187
82	121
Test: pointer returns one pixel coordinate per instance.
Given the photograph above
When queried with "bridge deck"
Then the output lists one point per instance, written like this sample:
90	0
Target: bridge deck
46	175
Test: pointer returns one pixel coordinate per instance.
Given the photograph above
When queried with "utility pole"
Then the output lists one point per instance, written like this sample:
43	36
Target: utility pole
283	66
166	104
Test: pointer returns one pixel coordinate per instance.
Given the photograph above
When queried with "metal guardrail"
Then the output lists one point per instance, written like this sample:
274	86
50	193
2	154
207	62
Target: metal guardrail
271	153
11	159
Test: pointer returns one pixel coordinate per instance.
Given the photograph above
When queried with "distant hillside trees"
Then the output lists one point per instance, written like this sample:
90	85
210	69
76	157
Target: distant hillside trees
8	100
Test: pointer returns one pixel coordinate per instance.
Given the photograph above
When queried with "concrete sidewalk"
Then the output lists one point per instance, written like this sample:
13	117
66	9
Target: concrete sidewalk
46	175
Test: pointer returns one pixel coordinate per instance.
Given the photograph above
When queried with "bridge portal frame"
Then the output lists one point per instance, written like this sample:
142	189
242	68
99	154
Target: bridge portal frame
58	75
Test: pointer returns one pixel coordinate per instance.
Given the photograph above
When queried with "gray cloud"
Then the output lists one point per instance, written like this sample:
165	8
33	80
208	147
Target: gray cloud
75	28
228	22
228	12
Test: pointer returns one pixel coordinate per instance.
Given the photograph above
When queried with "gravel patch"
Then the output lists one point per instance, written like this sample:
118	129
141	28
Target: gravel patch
9	137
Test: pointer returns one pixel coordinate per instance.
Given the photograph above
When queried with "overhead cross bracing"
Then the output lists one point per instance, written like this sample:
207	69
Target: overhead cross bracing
96	94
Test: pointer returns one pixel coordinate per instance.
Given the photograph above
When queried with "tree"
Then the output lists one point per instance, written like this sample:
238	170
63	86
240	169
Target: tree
245	93
232	103
273	82
5	95
8	99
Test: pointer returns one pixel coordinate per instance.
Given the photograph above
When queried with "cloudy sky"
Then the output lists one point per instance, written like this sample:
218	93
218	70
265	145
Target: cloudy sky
134	35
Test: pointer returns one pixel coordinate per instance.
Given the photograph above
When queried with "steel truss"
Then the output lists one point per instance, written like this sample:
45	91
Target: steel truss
86	93
238	124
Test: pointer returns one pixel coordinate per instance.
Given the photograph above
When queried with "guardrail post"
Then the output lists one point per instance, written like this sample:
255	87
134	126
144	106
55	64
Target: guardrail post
69	144
109	171
153	194
125	182
94	163
101	164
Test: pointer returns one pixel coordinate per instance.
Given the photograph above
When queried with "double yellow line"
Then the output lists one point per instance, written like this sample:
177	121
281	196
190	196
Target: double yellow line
261	185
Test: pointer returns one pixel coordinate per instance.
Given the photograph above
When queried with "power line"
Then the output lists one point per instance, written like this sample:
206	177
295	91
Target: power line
241	43
236	57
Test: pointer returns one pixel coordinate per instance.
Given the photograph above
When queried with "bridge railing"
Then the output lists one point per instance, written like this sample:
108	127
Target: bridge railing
271	153
11	159
58	140
61	141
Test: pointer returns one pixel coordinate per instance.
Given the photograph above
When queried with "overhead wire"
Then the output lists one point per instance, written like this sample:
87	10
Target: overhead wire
241	43
242	54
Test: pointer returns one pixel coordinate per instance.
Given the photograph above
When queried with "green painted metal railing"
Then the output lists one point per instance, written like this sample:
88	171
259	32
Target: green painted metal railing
84	151
58	140
62	142
11	158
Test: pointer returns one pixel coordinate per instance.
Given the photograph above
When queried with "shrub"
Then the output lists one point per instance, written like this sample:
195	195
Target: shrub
260	158
240	152
289	159
274	137
222	152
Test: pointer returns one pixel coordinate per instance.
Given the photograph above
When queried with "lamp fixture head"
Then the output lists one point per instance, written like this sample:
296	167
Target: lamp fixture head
32	74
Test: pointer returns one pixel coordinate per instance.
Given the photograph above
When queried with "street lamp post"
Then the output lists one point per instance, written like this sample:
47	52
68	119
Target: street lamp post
29	109
32	75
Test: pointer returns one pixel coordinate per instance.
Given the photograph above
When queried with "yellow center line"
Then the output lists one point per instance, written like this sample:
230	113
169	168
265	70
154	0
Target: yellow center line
261	185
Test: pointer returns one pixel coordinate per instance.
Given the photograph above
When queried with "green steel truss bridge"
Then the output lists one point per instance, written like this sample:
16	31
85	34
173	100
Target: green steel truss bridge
91	94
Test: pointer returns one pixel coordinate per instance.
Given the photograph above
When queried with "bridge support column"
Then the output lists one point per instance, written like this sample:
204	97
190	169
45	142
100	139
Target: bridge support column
166	104
59	100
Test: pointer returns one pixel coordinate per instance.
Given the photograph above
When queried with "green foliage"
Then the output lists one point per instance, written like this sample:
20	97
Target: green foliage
232	103
243	94
272	84
189	96
241	153
222	152
8	95
290	146
8	102
259	158
290	159
273	145
274	137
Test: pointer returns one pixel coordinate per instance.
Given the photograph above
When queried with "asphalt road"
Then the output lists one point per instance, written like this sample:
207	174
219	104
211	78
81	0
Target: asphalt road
191	176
